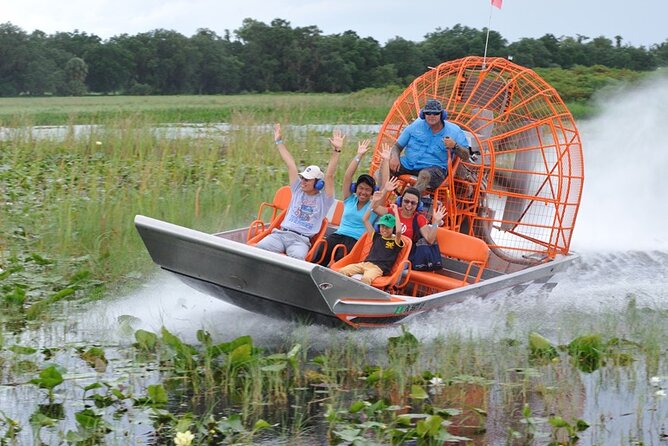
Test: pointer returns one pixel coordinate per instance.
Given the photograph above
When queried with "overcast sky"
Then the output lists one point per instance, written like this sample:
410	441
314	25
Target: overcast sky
639	22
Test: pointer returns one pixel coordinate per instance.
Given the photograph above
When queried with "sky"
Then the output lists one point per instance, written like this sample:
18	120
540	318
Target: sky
638	22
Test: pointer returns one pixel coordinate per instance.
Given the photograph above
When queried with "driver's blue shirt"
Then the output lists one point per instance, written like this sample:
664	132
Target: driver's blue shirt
423	148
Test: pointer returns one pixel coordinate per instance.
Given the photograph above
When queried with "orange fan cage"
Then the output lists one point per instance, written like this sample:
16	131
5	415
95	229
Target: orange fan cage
522	192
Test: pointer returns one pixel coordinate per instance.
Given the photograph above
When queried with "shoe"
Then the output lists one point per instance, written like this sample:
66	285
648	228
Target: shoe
426	204
462	153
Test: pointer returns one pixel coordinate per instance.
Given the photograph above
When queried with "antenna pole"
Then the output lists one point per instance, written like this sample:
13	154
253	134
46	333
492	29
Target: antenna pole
489	25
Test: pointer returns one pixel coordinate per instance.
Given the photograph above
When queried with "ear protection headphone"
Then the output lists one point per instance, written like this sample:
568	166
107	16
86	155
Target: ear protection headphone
444	115
419	204
368	179
319	184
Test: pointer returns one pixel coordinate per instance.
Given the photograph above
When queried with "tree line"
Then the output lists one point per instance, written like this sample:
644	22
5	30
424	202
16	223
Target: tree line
274	57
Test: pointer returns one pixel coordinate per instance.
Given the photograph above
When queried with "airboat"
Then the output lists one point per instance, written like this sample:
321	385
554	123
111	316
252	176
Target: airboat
512	208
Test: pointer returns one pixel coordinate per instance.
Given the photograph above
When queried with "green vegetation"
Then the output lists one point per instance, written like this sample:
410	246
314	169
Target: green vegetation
234	392
274	58
66	220
369	106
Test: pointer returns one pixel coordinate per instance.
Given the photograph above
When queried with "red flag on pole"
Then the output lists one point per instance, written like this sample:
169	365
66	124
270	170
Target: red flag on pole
497	3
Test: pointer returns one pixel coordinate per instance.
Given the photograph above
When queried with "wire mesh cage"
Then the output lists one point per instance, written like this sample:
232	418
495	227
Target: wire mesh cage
522	193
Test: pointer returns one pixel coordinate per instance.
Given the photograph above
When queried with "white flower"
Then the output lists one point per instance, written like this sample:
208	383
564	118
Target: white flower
655	381
436	381
183	438
98	143
660	393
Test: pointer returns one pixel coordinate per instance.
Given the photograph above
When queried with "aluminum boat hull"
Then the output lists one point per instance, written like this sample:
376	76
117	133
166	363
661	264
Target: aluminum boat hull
222	266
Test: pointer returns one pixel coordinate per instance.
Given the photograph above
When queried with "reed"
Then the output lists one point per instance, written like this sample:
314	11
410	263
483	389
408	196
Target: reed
367	106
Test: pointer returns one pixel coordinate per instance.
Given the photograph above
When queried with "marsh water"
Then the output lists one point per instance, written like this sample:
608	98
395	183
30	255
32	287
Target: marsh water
621	236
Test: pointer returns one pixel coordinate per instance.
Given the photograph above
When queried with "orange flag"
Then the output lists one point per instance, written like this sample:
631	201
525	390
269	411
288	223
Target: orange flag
497	3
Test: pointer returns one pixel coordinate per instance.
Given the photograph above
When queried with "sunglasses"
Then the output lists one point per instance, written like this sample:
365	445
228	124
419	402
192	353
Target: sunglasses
411	202
432	113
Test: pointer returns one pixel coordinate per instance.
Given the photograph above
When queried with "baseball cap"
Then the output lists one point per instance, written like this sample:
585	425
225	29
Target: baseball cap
432	105
312	172
387	220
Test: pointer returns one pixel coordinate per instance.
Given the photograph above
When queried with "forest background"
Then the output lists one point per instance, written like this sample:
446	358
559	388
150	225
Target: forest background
275	57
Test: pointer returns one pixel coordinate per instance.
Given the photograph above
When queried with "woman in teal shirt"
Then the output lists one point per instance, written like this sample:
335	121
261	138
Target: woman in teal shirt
356	200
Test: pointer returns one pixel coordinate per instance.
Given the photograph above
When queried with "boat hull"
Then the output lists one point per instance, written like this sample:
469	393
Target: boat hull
222	266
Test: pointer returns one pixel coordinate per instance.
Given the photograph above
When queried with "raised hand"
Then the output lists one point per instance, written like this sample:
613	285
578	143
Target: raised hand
395	209
336	140
391	184
438	215
376	199
277	132
386	151
363	146
394	161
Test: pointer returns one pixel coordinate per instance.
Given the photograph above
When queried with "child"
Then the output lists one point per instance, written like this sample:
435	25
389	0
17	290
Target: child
385	247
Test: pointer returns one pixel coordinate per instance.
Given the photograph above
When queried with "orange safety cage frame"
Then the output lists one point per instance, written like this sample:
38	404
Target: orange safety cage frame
522	194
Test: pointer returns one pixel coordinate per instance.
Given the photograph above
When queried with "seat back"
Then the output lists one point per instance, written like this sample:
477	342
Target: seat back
338	213
463	247
263	231
316	241
357	254
278	206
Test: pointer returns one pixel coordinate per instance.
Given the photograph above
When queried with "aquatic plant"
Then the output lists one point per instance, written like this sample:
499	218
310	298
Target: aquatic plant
49	378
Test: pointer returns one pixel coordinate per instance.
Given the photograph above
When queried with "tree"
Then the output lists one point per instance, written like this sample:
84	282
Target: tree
530	53
276	57
259	55
571	53
14	59
406	57
660	53
460	41
175	62
218	71
110	68
347	62
76	71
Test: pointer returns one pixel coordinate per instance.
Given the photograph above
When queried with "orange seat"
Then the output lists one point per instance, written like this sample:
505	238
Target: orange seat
338	213
278	205
361	250
316	241
465	248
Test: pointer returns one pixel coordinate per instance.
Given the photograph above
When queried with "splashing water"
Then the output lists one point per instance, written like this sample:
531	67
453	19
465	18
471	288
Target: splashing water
626	162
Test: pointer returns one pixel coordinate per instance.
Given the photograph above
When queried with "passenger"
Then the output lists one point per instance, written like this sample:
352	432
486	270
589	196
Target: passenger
356	200
424	143
409	216
384	248
312	196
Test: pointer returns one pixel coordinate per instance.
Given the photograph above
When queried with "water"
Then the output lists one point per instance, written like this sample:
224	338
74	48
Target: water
620	233
217	131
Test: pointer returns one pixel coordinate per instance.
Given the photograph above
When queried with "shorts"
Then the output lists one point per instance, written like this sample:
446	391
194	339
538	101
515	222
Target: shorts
436	175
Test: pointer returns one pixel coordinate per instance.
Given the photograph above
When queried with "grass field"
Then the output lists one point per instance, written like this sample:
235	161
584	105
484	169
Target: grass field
356	108
365	107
